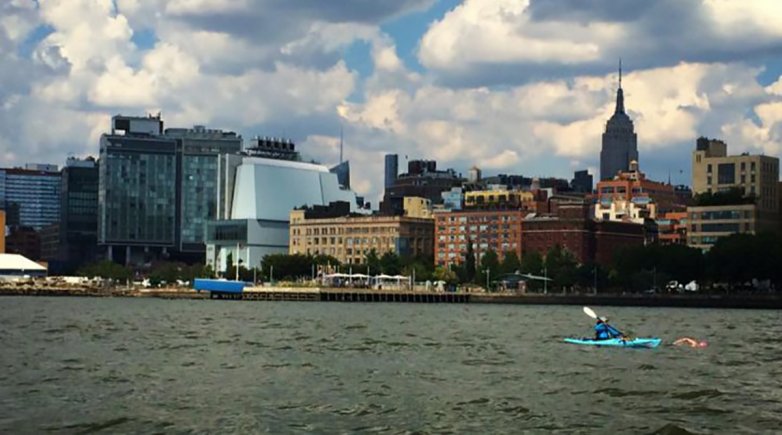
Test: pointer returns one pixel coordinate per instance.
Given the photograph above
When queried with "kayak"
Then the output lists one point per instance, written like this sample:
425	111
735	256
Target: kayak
617	342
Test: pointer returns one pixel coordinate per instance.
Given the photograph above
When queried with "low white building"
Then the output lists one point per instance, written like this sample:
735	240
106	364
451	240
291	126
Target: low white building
19	265
256	195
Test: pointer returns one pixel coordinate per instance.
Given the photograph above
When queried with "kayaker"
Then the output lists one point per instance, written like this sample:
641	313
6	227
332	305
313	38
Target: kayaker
604	331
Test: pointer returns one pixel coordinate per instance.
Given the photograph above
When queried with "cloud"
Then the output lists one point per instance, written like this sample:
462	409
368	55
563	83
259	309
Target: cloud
514	41
542	128
513	86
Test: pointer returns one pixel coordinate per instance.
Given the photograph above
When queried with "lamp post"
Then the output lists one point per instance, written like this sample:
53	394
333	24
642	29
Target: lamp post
595	279
488	274
545	279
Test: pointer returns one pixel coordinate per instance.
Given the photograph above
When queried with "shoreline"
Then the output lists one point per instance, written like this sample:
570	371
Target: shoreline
743	301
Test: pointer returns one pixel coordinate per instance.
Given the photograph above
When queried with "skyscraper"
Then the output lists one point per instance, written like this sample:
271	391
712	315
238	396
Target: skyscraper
392	169
620	143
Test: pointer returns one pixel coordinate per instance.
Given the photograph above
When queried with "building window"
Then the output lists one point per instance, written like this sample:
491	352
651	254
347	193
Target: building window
720	228
743	165
708	180
708	168
726	173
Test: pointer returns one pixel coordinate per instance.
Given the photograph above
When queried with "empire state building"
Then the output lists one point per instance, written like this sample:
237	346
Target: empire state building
620	143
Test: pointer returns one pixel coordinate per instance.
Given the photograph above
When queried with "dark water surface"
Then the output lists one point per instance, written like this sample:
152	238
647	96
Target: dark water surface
70	365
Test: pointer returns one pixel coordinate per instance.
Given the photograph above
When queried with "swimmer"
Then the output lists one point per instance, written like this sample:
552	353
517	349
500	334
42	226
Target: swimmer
687	341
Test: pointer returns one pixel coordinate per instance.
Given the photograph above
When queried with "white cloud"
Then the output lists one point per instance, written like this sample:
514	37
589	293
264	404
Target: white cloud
481	42
275	67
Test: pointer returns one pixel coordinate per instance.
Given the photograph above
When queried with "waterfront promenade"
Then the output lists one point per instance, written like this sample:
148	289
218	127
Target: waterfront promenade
326	294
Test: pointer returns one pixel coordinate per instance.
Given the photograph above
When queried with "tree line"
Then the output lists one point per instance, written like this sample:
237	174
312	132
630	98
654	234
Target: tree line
736	262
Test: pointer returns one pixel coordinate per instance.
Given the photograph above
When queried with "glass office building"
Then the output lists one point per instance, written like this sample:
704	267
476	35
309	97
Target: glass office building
158	188
79	212
197	153
137	196
31	196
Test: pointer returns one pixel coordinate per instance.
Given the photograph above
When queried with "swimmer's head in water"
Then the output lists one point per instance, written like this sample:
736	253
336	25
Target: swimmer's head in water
702	344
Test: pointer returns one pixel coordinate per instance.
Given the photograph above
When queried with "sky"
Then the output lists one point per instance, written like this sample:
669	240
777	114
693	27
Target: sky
512	86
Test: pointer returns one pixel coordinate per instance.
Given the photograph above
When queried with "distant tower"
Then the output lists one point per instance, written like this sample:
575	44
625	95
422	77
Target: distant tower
620	143
474	175
392	169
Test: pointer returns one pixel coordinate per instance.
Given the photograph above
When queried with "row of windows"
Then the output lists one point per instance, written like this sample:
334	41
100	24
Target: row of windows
473	228
348	241
743	166
721	228
441	220
352	230
731	180
721	215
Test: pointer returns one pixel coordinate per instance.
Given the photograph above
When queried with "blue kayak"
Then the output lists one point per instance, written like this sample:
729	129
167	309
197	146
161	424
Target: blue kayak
617	342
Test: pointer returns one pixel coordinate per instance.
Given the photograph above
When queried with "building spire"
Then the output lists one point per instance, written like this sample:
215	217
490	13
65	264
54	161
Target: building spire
340	144
620	97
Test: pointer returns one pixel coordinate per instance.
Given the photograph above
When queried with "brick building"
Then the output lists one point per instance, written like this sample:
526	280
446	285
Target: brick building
497	230
332	230
673	228
633	187
24	241
588	240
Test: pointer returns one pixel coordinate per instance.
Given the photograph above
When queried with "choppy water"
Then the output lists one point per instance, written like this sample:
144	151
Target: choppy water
71	365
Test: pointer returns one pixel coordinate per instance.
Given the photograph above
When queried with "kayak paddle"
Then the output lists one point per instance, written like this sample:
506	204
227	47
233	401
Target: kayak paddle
589	312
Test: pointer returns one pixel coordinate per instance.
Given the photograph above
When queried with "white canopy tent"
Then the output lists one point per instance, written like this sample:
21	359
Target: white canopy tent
18	265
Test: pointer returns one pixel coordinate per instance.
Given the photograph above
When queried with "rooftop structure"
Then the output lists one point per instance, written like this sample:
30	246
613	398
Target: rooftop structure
423	180
273	148
632	186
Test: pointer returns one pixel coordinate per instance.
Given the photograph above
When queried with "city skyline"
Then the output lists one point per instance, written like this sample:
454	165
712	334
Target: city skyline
464	83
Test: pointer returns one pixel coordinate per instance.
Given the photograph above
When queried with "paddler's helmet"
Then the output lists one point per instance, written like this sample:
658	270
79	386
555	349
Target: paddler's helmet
602	319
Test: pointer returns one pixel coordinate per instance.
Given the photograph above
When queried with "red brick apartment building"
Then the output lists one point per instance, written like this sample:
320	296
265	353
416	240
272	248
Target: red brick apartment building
497	230
520	231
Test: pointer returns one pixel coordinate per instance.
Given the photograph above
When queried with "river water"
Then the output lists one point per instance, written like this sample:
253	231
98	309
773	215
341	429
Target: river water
114	365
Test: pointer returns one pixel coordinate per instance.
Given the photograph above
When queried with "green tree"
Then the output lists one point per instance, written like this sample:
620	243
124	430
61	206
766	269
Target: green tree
390	264
561	267
445	274
469	262
532	263
741	260
510	262
106	270
490	267
165	272
372	261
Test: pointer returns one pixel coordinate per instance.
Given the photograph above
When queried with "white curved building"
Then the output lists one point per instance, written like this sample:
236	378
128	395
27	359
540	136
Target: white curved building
255	198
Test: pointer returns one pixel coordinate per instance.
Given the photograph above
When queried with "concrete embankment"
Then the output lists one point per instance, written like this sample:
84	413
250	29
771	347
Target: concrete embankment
751	301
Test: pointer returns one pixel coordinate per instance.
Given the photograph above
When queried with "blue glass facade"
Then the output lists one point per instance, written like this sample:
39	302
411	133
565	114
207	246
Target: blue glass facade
158	189
197	152
137	192
31	198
